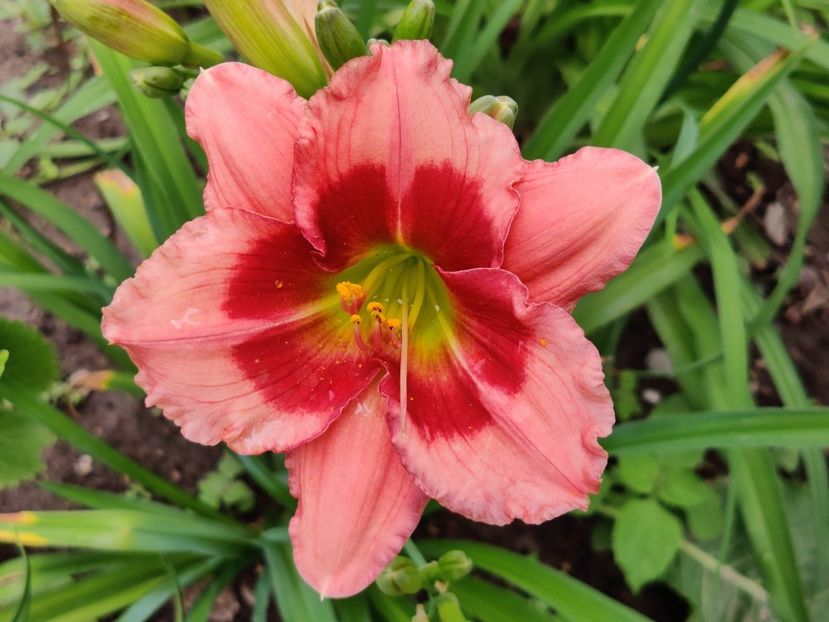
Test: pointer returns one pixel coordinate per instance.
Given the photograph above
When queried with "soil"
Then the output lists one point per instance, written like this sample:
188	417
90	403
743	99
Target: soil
565	543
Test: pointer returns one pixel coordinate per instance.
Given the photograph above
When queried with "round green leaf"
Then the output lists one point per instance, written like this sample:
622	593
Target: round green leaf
645	539
638	472
32	361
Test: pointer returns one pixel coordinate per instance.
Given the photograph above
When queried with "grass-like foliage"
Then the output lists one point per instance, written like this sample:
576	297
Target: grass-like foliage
713	489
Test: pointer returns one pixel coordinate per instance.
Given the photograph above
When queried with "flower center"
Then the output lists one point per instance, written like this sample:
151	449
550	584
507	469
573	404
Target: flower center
390	295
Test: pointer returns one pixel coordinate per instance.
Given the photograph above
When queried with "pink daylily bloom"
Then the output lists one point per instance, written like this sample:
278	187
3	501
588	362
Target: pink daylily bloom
381	288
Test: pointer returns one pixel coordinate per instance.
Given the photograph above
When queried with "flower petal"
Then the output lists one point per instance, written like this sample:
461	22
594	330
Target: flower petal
581	221
389	153
246	120
502	422
231	342
357	504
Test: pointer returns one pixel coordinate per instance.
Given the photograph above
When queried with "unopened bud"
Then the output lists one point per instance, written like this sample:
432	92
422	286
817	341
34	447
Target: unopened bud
400	577
276	35
135	28
338	37
157	81
454	565
417	21
501	108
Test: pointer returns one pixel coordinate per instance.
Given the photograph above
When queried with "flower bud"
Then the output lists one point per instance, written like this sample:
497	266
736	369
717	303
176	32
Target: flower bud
417	21
135	28
338	37
276	35
454	565
501	108
157	81
400	577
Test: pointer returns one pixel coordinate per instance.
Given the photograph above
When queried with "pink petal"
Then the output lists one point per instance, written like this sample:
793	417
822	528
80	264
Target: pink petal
247	121
390	144
503	422
581	221
225	324
357	504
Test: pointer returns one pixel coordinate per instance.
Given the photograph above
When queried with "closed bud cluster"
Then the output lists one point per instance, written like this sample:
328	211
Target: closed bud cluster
136	28
417	21
401	577
501	108
338	37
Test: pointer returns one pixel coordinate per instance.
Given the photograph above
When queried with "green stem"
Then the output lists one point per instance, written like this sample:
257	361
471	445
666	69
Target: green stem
201	56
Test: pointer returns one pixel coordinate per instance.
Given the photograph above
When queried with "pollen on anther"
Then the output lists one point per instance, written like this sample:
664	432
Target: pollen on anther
355	319
348	290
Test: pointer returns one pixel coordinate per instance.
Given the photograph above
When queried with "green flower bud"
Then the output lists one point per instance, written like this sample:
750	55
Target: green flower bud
454	565
157	81
276	35
501	108
135	28
400	577
338	37
417	21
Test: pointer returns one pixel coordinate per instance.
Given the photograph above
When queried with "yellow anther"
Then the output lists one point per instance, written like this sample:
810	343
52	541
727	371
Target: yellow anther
349	291
393	324
355	319
375	308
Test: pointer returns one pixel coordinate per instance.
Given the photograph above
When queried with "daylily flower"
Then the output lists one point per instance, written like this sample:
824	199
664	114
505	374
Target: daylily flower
381	288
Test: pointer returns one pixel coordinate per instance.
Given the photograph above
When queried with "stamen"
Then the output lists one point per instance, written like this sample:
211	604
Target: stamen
358	336
352	296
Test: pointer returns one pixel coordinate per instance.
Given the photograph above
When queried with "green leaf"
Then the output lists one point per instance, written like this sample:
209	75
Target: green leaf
573	599
648	74
705	519
80	438
22	613
295	600
625	397
758	487
681	488
125	530
70	222
757	427
123	197
654	269
645	539
172	191
638	472
32	361
725	121
566	117
22	442
222	488
489	603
